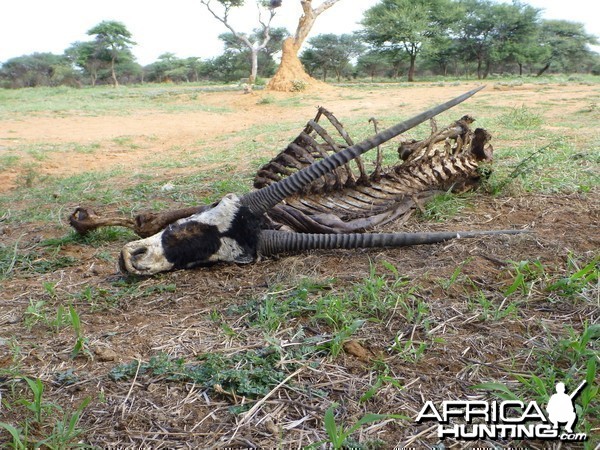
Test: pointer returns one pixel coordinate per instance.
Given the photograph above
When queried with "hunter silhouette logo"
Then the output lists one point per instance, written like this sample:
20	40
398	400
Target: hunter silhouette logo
512	419
560	407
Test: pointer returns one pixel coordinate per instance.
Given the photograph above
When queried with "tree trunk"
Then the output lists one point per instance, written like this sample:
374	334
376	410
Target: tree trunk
479	64
254	66
486	72
543	69
411	69
520	69
113	73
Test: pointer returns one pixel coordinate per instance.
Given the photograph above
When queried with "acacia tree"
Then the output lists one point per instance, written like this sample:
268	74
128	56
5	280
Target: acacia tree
87	56
266	64
254	43
565	44
114	38
407	25
331	51
38	69
291	74
490	33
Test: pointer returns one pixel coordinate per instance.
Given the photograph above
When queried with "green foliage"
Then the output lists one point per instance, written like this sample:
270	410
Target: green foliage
458	36
331	52
527	273
59	430
567	43
405	26
444	206
581	278
13	259
17	442
251	373
573	360
80	341
521	119
37	69
521	170
112	36
170	68
341	336
298	85
35	406
338	435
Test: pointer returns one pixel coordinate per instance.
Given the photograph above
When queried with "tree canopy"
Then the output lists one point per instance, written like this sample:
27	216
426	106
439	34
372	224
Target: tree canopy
331	52
411	38
405	25
113	39
255	42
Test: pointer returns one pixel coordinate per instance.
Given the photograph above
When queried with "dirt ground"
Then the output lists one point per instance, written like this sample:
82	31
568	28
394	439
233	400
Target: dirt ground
168	130
174	313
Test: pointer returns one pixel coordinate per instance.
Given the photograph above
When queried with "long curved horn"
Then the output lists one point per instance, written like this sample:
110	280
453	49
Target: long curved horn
277	242
264	199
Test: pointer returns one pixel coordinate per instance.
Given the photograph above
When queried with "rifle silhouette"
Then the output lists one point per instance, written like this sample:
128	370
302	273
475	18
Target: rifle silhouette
573	394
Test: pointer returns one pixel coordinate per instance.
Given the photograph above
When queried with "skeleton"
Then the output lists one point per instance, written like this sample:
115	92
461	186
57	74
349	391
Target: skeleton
308	197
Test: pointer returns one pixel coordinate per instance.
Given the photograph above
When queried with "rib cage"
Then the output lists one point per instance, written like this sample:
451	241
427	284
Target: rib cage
349	199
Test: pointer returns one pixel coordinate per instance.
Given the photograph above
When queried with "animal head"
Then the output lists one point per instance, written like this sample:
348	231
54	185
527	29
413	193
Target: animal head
230	231
227	232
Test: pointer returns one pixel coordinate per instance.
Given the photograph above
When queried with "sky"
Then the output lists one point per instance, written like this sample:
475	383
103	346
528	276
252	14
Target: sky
185	28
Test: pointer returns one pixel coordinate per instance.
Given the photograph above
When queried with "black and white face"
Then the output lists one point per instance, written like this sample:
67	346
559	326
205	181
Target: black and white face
228	232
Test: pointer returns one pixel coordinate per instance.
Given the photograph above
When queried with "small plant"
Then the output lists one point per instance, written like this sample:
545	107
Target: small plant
443	207
527	273
35	313
36	406
50	289
521	119
382	378
580	280
489	309
64	432
339	435
415	311
8	259
525	166
336	344
334	310
410	351
578	347
80	341
456	276
266	100
251	373
299	85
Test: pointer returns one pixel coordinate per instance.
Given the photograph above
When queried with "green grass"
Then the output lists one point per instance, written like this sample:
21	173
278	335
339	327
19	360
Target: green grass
251	374
14	259
45	424
102	100
444	206
521	118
